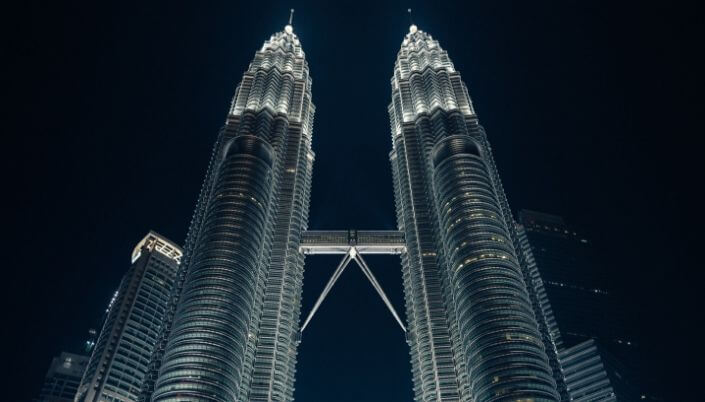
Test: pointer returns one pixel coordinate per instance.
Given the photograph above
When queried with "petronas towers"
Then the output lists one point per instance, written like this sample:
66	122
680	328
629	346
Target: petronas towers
473	324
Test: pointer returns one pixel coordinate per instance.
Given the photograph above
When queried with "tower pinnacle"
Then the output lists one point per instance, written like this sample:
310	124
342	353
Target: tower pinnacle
289	28
412	26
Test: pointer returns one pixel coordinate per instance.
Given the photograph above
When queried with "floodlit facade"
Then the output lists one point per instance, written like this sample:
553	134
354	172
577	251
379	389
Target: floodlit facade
232	331
123	349
472	327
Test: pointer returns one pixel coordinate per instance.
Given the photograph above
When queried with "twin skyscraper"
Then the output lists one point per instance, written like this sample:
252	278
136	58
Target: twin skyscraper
475	324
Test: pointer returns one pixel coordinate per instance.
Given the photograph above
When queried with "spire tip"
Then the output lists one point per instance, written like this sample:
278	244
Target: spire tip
412	26
288	28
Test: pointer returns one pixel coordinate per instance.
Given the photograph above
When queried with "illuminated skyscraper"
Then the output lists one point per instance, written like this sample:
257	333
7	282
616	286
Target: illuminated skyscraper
124	347
472	325
232	331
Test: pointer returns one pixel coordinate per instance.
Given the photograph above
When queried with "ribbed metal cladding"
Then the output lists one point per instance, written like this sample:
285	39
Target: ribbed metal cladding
473	331
206	350
503	349
274	358
231	331
433	371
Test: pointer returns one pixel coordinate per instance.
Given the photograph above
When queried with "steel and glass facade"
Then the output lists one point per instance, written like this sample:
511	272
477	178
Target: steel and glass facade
473	332
124	347
231	331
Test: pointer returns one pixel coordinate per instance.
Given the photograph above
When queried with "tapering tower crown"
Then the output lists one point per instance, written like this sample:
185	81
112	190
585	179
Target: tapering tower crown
282	56
425	79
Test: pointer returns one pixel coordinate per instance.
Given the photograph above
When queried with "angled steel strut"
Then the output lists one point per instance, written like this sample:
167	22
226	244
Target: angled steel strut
351	253
368	273
336	274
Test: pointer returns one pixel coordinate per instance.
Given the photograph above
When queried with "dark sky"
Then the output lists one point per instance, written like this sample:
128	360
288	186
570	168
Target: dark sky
594	109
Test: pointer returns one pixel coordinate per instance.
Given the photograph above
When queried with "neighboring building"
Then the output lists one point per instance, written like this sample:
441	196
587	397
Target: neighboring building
548	326
63	378
495	310
593	374
585	374
472	328
122	351
575	283
233	334
598	361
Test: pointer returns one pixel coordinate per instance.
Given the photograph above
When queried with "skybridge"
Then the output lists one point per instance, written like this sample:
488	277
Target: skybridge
352	244
364	241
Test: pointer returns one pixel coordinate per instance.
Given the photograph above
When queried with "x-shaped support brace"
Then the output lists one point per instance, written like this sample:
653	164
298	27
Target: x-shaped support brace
352	254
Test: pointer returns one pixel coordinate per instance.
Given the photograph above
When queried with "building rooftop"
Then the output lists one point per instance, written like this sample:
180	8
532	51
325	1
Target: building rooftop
155	241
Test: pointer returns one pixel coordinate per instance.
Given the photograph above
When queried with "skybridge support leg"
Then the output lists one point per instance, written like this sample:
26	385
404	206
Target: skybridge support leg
353	254
336	274
368	273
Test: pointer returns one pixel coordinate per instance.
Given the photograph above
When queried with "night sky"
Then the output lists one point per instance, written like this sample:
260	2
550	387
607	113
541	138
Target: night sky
594	112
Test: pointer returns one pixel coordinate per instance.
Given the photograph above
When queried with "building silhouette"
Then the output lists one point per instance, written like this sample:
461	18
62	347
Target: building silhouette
598	359
63	378
122	351
575	281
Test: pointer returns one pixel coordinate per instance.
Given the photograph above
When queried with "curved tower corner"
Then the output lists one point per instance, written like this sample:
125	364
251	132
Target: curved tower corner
231	330
473	332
